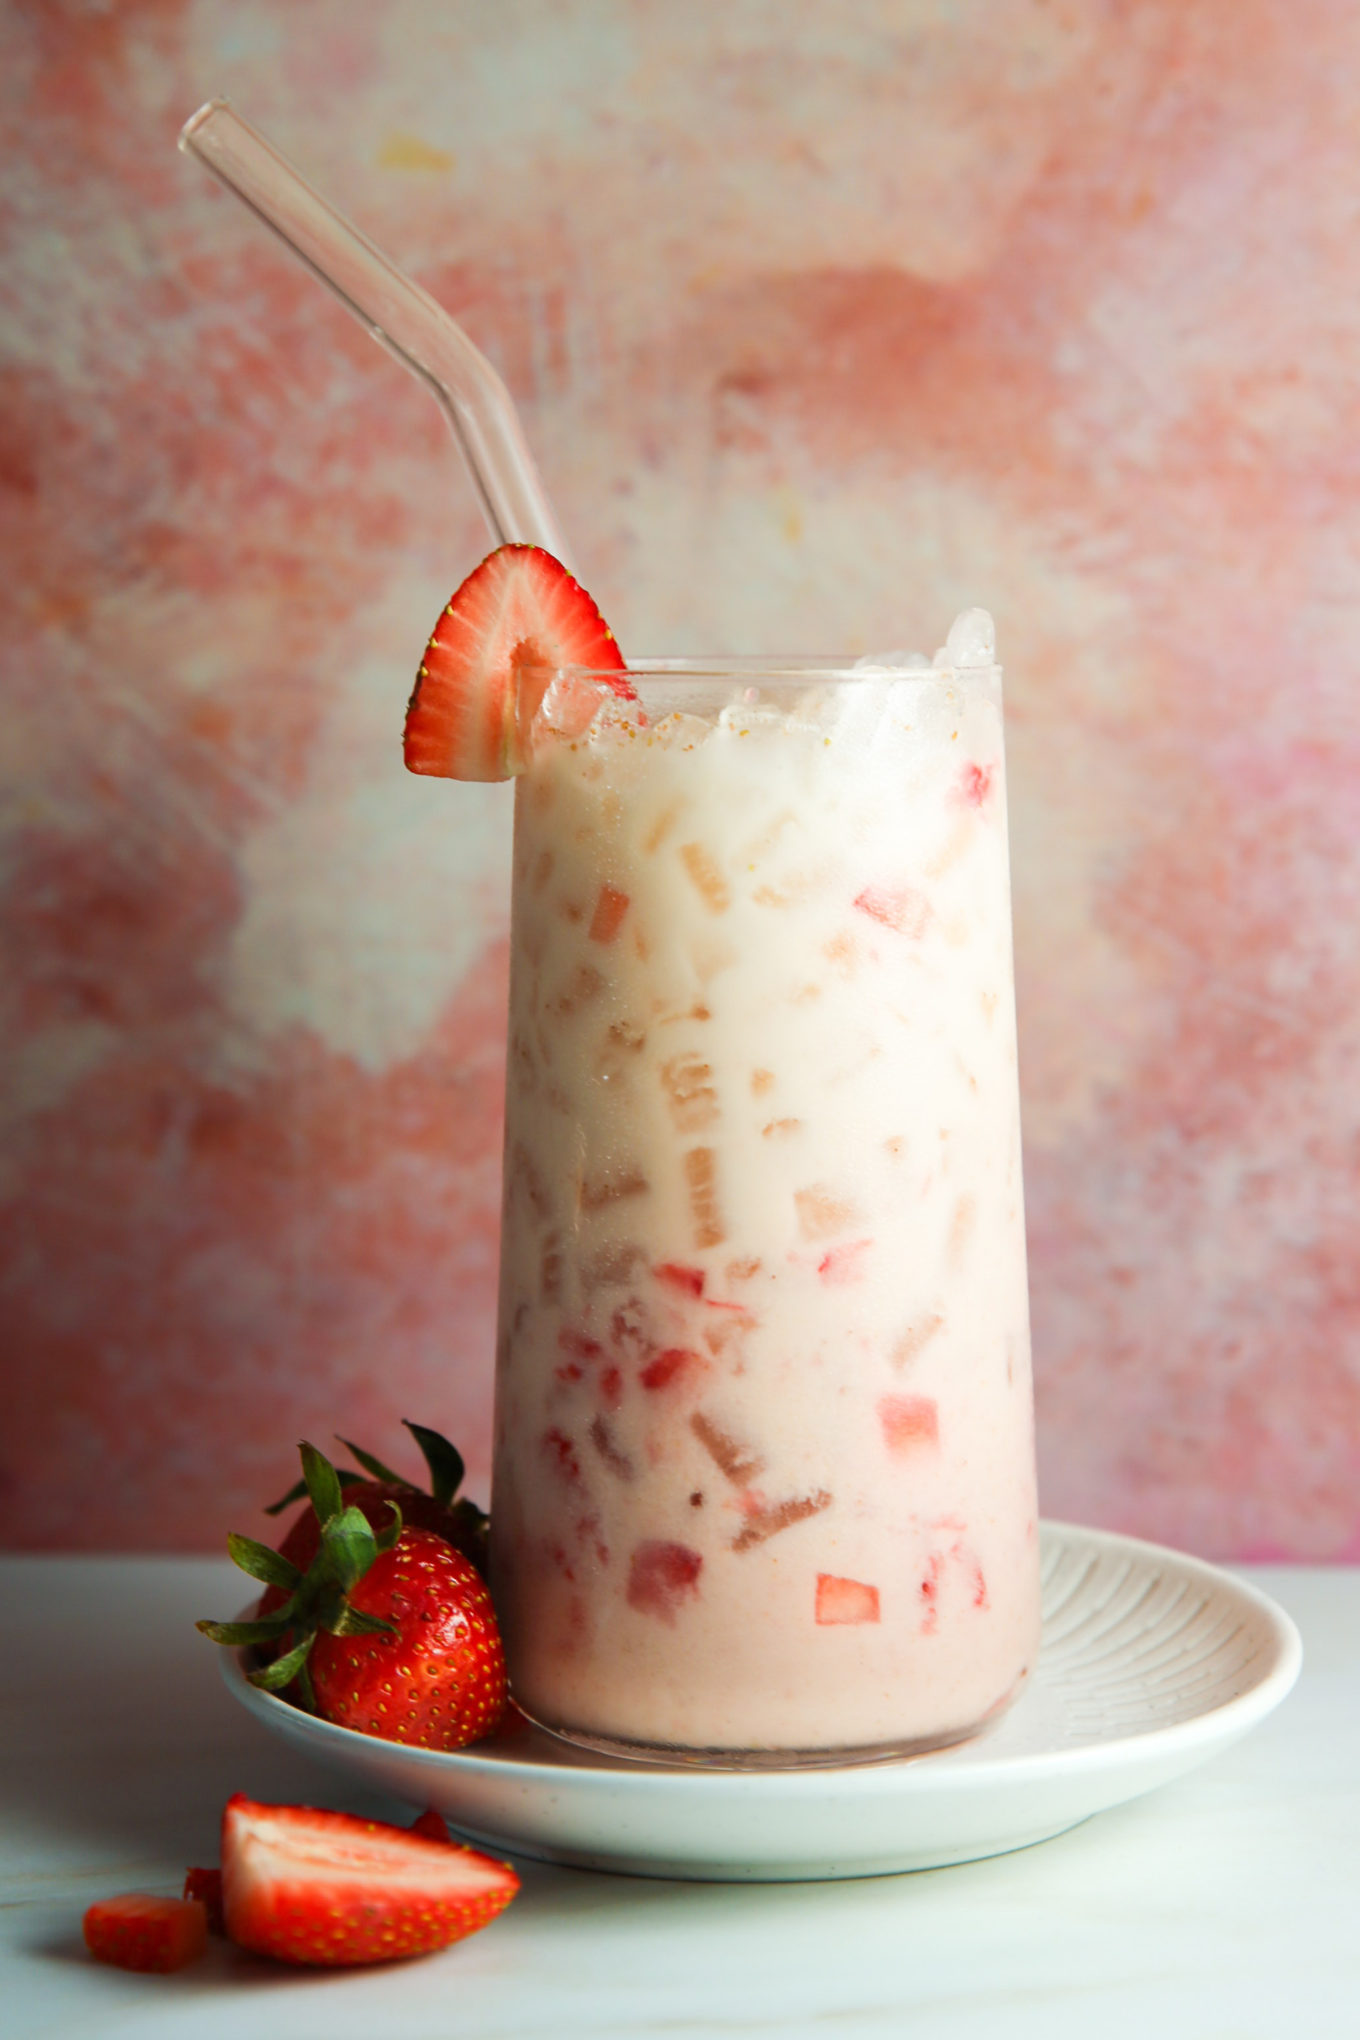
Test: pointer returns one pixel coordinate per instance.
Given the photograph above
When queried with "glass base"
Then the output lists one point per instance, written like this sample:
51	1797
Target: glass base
676	1756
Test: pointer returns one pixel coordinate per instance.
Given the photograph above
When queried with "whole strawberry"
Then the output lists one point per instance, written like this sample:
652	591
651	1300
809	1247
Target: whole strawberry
439	1680
389	1631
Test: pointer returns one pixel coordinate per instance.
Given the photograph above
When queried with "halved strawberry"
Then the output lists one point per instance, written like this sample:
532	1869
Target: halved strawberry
329	1890
138	1931
490	660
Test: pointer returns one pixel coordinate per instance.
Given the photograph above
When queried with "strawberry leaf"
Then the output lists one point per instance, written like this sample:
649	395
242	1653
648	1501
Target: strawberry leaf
354	1622
444	1461
323	1484
270	1567
350	1547
238	1634
273	1678
298	1491
372	1464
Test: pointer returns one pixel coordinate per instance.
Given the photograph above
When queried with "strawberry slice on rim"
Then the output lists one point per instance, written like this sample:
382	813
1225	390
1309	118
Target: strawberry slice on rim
490	661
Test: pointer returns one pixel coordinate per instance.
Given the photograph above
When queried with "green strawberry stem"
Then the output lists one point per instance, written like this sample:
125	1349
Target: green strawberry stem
319	1599
271	1568
444	1461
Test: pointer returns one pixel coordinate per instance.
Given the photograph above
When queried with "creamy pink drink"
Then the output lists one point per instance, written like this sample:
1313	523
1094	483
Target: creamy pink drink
764	1480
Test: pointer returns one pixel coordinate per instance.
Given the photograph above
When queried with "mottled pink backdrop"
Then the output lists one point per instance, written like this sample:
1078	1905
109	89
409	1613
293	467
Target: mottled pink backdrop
824	323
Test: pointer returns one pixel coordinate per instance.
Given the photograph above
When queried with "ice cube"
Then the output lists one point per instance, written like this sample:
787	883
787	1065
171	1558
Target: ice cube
892	662
972	640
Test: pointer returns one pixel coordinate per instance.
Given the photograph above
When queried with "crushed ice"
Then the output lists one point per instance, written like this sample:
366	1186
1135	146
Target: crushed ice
971	641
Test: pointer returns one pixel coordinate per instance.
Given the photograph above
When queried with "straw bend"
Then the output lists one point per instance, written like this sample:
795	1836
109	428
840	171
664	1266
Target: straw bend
400	316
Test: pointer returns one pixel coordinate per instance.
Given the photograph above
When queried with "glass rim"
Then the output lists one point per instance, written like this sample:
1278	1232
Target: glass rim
773	666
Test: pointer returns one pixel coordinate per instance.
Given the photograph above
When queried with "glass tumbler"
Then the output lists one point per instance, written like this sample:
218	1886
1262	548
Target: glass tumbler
764	1484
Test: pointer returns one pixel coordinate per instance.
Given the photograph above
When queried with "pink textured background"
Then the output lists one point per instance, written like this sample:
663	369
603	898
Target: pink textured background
824	324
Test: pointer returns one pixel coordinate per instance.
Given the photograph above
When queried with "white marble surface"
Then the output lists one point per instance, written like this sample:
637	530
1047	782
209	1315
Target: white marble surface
1221	1908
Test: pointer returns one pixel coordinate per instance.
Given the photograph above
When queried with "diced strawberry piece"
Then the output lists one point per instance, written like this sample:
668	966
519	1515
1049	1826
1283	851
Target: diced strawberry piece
841	1600
206	1887
689	1281
578	1344
611	1388
669	1366
328	1890
909	1422
972	1566
976	784
490	661
903	911
137	1931
930	1594
610	908
661	1576
840	1266
560	1449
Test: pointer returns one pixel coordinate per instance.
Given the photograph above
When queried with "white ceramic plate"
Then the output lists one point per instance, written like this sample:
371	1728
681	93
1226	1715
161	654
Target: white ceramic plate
1151	1662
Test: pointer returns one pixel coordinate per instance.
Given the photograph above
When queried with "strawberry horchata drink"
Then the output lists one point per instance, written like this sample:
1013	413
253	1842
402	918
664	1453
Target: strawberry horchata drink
764	1475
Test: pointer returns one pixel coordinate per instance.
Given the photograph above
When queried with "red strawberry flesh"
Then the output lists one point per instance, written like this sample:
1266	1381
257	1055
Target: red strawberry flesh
439	1683
845	1601
490	659
206	1887
329	1890
138	1931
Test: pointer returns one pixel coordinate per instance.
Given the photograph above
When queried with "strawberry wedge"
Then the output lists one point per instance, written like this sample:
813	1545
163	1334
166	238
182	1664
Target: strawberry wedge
490	661
327	1890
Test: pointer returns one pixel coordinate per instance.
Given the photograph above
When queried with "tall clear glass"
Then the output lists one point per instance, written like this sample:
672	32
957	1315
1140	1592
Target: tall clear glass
764	1477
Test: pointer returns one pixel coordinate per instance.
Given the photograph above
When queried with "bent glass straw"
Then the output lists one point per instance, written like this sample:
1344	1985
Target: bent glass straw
397	313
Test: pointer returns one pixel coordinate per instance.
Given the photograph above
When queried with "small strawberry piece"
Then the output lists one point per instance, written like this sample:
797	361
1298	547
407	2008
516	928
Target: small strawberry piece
206	1887
676	1363
490	660
661	1576
905	912
439	1682
610	908
975	784
909	1422
844	1601
433	1826
840	1266
327	1890
611	1388
137	1931
689	1281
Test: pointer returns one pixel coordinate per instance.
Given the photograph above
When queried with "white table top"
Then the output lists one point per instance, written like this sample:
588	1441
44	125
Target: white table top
1223	1907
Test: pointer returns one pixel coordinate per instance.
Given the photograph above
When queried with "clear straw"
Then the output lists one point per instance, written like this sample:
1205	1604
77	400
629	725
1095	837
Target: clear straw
400	316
